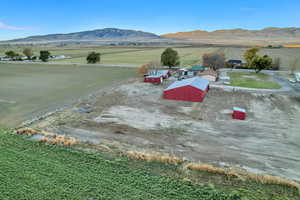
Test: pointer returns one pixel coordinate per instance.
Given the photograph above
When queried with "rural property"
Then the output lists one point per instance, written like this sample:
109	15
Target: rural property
127	114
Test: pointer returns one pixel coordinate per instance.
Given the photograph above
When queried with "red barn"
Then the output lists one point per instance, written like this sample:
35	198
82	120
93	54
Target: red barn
192	89
239	113
156	79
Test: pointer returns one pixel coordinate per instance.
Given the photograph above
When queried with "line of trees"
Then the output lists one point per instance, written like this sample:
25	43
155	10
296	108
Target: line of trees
44	55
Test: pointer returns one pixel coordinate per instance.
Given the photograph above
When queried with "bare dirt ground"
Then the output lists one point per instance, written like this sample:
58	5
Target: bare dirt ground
134	117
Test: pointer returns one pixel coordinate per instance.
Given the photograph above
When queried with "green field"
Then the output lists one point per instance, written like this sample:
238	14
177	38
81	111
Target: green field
27	90
35	171
142	55
252	80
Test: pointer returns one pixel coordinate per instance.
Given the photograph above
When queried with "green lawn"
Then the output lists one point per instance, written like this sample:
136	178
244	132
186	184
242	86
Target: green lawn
27	90
252	80
32	170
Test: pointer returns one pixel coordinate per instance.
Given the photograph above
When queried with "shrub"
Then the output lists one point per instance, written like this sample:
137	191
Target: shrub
93	58
44	56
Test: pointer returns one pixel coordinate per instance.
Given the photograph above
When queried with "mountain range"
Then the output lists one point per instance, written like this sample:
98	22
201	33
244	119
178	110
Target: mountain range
270	35
115	36
112	36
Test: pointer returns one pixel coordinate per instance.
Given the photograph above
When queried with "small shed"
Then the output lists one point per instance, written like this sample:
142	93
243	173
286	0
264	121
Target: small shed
155	79
239	113
194	70
192	90
182	72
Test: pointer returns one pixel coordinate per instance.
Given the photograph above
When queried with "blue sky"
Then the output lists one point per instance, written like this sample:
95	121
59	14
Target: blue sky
20	18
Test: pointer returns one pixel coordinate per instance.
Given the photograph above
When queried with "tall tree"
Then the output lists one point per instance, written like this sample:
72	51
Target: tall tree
93	58
214	60
11	54
259	63
170	58
249	55
44	56
28	52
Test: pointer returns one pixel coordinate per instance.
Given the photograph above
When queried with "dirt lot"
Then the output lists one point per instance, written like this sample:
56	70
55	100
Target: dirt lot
133	117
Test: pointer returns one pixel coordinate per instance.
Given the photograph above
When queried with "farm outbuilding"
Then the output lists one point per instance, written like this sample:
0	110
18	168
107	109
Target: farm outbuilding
239	113
192	89
155	79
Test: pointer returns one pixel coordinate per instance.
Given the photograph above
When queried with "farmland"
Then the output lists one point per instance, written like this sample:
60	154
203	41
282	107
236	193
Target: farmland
110	108
37	171
140	55
27	90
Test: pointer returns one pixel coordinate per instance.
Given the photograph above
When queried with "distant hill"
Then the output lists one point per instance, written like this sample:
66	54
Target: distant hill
115	36
99	36
270	35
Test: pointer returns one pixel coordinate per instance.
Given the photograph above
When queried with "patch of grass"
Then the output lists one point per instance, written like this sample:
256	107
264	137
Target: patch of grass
252	80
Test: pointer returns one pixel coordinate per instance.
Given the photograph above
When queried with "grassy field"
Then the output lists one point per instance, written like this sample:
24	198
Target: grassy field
189	56
142	55
252	80
33	170
30	89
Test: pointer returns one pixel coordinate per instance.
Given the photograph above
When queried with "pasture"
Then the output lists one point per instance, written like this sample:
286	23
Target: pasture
27	90
140	55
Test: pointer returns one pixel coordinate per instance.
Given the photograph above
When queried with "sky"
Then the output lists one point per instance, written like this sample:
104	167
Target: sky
22	18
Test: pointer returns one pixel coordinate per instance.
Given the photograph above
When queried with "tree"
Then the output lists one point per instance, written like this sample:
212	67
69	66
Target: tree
11	54
276	64
28	52
93	58
249	55
259	63
170	58
214	61
44	56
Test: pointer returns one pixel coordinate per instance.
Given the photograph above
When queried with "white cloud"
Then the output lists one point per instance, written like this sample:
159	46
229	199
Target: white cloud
4	26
